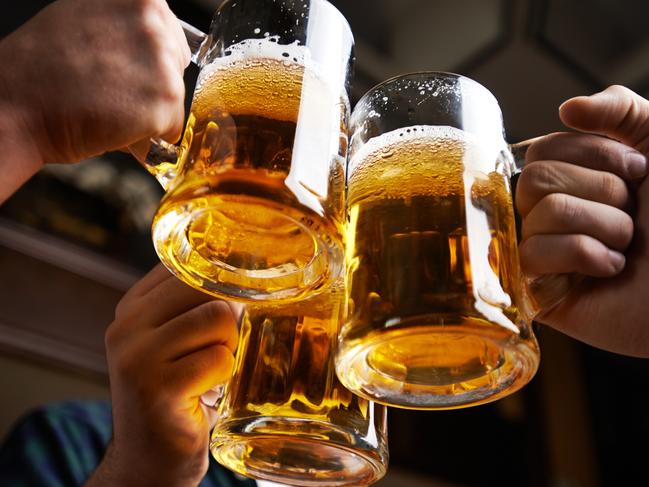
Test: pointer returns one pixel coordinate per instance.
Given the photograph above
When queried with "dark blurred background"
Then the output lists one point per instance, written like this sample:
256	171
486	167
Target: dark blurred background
75	238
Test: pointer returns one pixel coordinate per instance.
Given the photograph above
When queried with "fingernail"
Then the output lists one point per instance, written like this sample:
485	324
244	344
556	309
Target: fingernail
617	259
636	164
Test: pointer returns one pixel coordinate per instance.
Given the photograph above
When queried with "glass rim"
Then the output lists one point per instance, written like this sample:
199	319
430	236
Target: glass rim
420	74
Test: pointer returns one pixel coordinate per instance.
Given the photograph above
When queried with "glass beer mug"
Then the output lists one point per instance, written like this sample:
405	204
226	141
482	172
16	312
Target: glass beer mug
284	416
255	192
440	315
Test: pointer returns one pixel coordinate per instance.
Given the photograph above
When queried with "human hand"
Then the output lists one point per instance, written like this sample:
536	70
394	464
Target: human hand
89	76
168	345
576	194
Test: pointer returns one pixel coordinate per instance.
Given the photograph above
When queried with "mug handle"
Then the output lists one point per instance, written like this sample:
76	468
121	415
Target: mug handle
546	292
158	157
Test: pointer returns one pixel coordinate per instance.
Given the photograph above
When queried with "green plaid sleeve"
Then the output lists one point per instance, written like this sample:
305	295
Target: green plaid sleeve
56	446
61	445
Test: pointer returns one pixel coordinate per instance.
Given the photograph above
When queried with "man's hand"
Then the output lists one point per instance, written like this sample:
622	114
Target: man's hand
168	345
86	77
576	195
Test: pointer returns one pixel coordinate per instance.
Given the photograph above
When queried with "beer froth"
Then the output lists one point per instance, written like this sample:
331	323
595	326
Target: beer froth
263	78
414	161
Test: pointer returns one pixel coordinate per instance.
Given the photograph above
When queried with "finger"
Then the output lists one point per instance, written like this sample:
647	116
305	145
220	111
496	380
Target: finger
177	35
140	149
542	178
616	112
184	53
208	324
565	214
197	373
167	300
153	278
562	254
173	112
589	151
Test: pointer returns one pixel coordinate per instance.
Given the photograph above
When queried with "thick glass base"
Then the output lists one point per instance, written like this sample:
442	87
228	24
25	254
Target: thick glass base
246	248
297	452
437	366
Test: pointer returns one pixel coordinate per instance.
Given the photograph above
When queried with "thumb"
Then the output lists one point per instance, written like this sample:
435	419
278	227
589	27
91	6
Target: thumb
617	112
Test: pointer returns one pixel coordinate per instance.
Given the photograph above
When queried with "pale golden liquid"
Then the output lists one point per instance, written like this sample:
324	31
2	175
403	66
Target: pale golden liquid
232	226
285	416
434	319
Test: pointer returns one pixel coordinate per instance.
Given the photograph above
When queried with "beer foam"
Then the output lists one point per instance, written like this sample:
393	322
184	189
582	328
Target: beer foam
417	160
263	77
266	48
429	137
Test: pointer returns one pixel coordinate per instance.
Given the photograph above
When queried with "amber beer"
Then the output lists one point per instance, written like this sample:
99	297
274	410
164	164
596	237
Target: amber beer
432	266
253	219
285	416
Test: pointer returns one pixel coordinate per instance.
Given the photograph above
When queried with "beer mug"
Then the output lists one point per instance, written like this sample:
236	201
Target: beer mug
255	192
439	312
284	416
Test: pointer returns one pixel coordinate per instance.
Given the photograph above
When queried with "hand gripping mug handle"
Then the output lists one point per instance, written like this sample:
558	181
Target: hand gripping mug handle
158	157
544	292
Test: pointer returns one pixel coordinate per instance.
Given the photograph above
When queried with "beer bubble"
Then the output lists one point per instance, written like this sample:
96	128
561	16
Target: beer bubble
257	30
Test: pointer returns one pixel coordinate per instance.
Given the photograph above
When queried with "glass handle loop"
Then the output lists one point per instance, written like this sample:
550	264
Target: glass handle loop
519	151
161	158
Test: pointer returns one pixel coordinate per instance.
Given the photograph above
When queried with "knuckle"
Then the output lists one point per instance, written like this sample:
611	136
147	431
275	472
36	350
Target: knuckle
609	187
211	312
625	230
619	90
124	362
177	89
169	86
601	153
149	21
561	207
583	250
541	178
122	308
112	337
540	148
